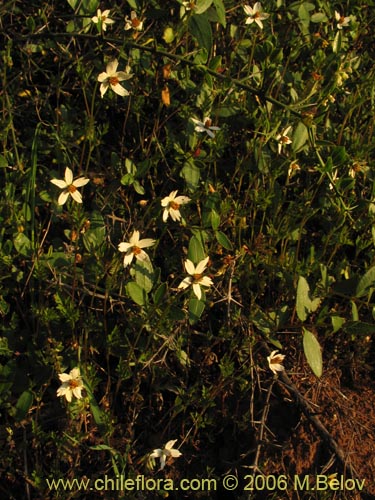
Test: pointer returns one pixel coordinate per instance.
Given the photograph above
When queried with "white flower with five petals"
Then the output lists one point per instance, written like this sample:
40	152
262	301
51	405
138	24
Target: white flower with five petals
72	385
133	23
274	362
133	248
70	187
342	21
255	14
166	452
196	278
112	78
102	17
205	126
172	205
283	138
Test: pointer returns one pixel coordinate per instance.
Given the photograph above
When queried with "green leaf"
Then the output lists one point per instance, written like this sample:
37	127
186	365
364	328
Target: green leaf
220	10
144	274
215	219
300	136
191	173
319	17
223	240
336	46
22	244
313	352
365	283
200	28
201	6
23	405
160	293
196	308
196	251
136	293
304	304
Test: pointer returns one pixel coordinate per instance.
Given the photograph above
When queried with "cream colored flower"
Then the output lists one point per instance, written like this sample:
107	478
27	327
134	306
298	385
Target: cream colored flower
134	246
102	17
283	139
255	14
166	452
205	126
274	362
172	205
189	5
196	278
133	23
342	21
71	385
70	187
112	78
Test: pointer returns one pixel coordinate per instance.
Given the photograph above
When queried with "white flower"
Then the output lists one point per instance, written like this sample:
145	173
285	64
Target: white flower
189	5
196	278
341	20
172	205
112	78
283	139
205	126
133	22
102	17
70	187
71	385
133	247
274	362
166	452
255	14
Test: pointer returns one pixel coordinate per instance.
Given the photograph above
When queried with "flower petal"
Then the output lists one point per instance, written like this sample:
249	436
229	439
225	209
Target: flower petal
197	290
112	67
146	242
63	197
185	282
201	266
119	90
81	181
76	195
190	267
59	183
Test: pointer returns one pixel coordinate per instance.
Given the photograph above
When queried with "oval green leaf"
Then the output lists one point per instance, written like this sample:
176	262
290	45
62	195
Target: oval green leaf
313	352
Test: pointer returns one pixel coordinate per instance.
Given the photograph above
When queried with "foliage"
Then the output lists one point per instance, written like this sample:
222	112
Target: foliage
282	201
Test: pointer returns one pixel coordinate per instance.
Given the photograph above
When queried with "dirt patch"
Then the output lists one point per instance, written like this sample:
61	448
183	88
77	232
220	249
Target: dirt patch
348	413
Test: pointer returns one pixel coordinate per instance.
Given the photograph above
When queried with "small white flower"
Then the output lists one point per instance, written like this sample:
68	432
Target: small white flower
71	385
102	17
112	78
196	278
133	23
172	205
274	362
166	452
342	21
283	139
70	187
134	246
335	178
189	5
255	14
205	126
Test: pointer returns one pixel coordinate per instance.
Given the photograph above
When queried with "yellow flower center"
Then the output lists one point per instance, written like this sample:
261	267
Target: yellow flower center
113	80
197	277
284	139
73	384
174	205
72	189
136	250
136	22
256	15
208	123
